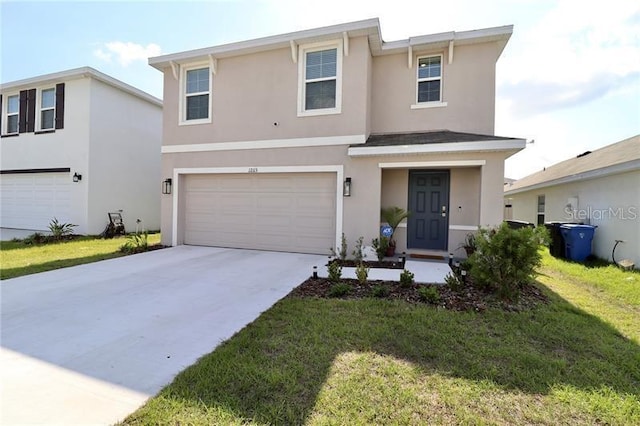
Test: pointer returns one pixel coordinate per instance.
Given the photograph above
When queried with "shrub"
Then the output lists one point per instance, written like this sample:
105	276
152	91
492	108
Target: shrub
342	253
380	291
453	281
60	230
362	272
380	245
429	294
35	238
339	290
334	271
136	243
358	255
406	278
506	259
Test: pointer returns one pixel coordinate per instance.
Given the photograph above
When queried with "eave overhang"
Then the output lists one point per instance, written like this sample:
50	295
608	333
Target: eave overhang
510	146
369	28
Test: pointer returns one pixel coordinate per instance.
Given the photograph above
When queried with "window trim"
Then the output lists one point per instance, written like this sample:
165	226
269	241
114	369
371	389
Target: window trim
302	81
182	104
40	110
429	104
5	114
541	214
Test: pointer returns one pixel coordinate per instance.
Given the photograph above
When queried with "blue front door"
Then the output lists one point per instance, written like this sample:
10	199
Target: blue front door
428	224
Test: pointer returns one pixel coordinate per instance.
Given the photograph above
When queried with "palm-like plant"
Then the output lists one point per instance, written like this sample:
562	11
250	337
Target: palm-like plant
393	216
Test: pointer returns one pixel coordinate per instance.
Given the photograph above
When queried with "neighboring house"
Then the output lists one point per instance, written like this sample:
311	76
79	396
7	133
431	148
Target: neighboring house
286	142
600	188
76	145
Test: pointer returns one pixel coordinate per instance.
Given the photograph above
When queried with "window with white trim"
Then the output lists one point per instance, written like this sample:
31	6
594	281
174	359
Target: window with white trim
47	108
195	105
429	88
541	208
320	75
12	114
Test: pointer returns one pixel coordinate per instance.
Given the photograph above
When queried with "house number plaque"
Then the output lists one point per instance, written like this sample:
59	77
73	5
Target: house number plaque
252	170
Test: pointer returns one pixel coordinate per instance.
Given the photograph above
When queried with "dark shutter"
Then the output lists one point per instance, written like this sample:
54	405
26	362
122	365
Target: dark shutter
22	115
31	110
60	106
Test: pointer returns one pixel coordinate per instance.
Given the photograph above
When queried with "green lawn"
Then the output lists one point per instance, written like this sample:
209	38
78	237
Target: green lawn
17	258
333	362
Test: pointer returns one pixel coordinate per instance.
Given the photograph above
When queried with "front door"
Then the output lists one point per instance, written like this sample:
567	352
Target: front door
428	224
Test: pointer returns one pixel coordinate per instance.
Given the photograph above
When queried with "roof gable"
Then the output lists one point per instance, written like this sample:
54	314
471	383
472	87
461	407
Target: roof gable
620	153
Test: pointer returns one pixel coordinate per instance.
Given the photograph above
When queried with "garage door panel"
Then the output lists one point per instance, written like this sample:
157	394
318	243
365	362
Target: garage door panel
283	212
32	200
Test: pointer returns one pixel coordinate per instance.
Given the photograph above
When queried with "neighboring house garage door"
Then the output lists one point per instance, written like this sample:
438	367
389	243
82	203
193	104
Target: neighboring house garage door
31	200
294	212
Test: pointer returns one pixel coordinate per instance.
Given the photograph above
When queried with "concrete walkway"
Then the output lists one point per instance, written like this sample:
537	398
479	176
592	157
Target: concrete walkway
425	271
89	344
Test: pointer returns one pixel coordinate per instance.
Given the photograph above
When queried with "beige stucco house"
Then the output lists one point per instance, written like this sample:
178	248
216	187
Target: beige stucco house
599	188
286	142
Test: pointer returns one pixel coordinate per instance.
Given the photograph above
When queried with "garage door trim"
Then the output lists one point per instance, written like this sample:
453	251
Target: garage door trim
178	173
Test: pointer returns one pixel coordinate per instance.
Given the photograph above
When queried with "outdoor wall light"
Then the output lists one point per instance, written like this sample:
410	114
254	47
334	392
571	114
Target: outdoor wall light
77	177
346	190
166	186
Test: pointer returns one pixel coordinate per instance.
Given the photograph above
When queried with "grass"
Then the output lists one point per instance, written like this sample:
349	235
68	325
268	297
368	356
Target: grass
17	258
325	362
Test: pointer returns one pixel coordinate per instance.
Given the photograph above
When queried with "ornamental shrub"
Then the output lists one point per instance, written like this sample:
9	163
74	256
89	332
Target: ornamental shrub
334	271
505	259
362	272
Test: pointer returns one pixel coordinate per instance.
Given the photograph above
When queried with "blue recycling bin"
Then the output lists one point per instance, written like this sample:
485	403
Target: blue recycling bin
577	240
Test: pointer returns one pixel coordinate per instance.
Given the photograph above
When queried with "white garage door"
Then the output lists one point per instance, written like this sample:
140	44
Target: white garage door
294	212
31	200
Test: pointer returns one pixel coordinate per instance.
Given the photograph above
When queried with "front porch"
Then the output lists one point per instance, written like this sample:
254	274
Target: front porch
445	205
451	182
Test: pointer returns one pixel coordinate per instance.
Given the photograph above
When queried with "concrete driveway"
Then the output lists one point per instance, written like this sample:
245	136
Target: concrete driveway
89	344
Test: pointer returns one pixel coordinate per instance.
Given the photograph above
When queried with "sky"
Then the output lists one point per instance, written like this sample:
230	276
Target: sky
568	80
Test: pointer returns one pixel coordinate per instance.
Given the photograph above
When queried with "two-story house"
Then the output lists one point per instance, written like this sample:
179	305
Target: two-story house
286	142
76	145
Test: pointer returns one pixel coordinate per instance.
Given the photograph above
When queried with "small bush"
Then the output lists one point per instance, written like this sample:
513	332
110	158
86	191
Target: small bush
406	279
453	281
380	245
358	255
334	271
380	291
429	294
506	259
339	290
362	272
35	238
136	243
342	250
60	230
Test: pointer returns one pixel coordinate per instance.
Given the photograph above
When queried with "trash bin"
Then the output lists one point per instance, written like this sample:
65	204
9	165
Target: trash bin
577	240
556	247
518	224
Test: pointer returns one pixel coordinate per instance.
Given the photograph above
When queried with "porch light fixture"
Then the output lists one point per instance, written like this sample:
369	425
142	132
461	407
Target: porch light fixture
346	189
77	177
166	186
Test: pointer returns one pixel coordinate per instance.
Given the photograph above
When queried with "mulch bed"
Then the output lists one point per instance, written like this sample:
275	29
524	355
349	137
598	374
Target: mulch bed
467	298
388	264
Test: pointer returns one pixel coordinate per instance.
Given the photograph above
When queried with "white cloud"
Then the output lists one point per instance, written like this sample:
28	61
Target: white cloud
126	52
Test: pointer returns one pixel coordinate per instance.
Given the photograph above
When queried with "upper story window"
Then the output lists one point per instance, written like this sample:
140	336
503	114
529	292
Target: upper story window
47	109
430	79
33	110
12	114
320	75
196	95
